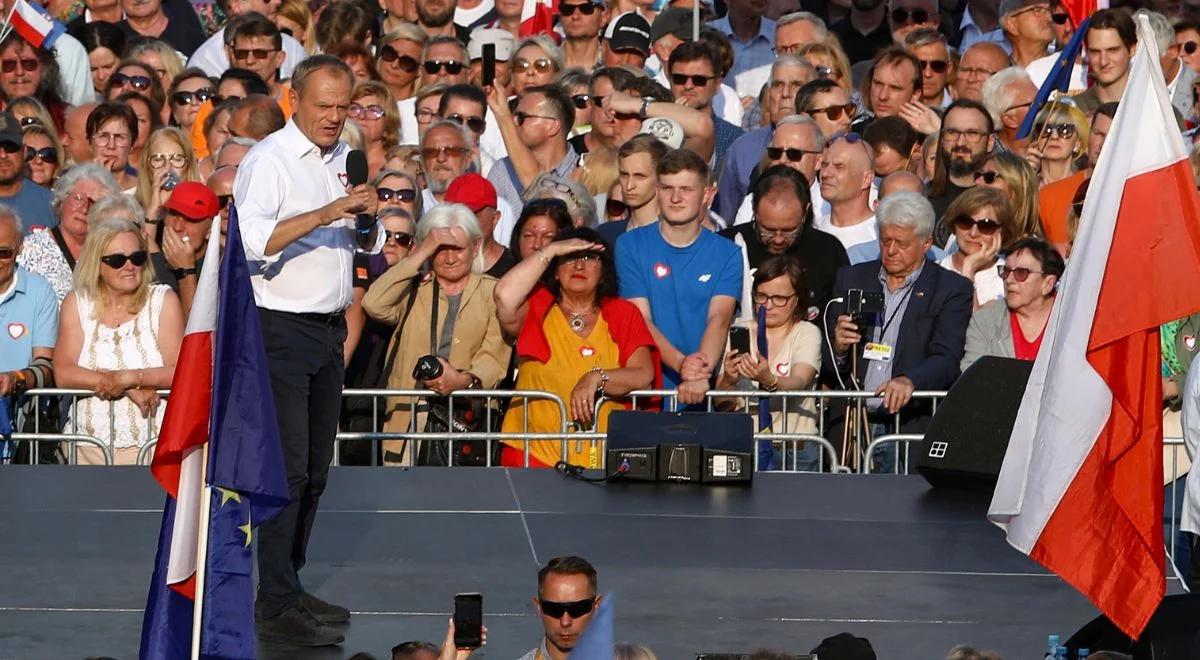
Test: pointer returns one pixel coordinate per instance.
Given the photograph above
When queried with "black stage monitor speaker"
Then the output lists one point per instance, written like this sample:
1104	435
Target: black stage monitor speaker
965	443
1172	633
684	447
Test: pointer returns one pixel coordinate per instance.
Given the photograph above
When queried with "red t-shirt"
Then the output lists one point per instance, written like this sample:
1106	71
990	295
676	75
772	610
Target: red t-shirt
1024	349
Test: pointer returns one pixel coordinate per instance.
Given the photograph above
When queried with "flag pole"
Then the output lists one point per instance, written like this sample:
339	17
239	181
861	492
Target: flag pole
7	27
201	553
695	20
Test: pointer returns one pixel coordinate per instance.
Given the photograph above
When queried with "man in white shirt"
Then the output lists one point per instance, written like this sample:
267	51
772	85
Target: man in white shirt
847	173
299	231
211	55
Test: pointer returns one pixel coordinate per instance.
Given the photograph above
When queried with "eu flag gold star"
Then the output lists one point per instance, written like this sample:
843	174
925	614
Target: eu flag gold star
248	529
227	495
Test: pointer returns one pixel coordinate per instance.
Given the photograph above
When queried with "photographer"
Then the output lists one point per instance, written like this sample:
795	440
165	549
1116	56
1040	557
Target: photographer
450	307
914	339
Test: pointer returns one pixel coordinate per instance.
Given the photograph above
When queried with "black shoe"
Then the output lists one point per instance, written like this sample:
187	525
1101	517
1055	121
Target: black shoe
322	611
296	627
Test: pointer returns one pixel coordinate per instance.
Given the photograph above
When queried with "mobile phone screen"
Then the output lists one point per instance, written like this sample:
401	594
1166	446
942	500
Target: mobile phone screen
468	621
489	65
739	339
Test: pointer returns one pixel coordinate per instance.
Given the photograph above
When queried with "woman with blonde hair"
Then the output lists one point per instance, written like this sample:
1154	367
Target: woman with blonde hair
598	171
168	157
43	154
398	59
830	62
163	60
376	114
1013	176
27	110
294	17
119	336
982	221
1060	138
536	61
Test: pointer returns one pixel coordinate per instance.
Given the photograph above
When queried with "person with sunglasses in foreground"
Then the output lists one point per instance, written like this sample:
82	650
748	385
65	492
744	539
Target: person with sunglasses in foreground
565	601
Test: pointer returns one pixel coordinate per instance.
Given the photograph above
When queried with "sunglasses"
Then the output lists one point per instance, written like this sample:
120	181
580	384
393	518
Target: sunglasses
793	155
937	66
199	96
585	9
580	101
540	65
47	154
258	53
987	177
583	258
986	226
615	208
849	136
357	111
903	16
1060	19
1064	131
598	101
7	253
140	83
389	54
26	64
30	121
223	201
402	194
449	66
523	117
431	153
574	609
118	261
682	79
1188	47
11	147
824	72
474	122
834	112
1019	274
403	239
217	99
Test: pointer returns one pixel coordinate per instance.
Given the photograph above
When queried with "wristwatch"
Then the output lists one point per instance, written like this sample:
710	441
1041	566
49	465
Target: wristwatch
646	101
181	273
476	384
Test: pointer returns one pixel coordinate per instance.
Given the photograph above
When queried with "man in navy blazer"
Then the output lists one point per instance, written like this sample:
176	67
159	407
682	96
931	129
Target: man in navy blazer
917	342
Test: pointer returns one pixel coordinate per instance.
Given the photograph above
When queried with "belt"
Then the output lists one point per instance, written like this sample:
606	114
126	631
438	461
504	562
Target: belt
331	319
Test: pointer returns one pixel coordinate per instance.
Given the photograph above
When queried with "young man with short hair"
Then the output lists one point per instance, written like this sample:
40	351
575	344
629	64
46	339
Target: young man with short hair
637	165
1109	41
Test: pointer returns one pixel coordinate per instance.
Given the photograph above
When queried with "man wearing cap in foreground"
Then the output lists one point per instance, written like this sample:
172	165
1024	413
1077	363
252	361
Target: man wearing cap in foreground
582	23
188	216
28	199
627	41
478	194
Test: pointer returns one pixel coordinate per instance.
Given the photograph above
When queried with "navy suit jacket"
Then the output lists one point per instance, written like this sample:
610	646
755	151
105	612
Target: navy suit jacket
933	330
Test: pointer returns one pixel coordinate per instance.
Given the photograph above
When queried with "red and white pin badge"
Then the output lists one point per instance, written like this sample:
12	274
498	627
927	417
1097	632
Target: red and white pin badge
1190	342
16	330
587	351
343	178
661	270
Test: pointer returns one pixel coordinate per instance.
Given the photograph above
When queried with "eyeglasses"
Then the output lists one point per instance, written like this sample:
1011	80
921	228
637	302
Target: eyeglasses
937	66
586	9
258	53
971	135
615	208
794	155
11	147
986	226
223	201
7	253
476	123
432	153
598	101
540	65
768	234
26	64
849	136
1035	9
1060	19
118	139
1019	274
80	199
987	177
140	83
776	300
449	66
582	258
903	16
402	194
157	161
574	609
30	121
403	239
199	96
1064	131
580	101
426	115
47	154
118	261
1188	47
834	112
824	72
522	117
389	54
682	79
357	111
975	72
217	99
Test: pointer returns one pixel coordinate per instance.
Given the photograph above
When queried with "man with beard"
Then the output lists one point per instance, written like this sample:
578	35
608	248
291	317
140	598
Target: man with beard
445	154
436	18
864	31
28	199
964	143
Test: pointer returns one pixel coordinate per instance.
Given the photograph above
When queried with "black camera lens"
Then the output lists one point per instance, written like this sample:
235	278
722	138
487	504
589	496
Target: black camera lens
428	367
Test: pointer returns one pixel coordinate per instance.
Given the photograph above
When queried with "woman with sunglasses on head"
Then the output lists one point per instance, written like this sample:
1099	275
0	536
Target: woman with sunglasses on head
189	90
29	71
982	221
374	111
576	338
43	154
397	189
119	336
28	111
397	58
1012	175
536	62
1059	142
1013	327
830	63
104	43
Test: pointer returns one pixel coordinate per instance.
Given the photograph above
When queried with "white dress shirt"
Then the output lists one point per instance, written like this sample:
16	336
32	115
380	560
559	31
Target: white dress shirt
281	177
1190	518
211	56
74	69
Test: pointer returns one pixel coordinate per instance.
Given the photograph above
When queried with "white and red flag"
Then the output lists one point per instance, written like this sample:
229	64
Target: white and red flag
1080	490
537	17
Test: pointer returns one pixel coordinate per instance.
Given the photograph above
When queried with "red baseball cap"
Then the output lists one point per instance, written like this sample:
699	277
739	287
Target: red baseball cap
194	201
472	191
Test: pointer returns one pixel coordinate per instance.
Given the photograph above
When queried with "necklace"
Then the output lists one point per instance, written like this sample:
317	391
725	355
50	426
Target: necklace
578	320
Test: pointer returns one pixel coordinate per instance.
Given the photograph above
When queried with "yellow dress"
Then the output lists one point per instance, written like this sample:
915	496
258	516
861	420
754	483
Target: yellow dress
571	356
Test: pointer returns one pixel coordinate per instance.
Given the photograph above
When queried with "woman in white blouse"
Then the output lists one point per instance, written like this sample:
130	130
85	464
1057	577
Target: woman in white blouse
983	223
119	337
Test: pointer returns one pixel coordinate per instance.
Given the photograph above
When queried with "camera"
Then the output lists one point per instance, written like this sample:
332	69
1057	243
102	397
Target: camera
428	367
863	306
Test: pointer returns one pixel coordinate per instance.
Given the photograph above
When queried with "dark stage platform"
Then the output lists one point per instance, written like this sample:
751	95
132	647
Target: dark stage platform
784	564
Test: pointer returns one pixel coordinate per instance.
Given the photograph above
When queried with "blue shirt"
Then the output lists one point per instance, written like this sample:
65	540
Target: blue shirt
678	282
734	183
758	52
32	204
28	320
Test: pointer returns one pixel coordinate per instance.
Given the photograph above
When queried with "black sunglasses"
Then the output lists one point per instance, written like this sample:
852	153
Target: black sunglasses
218	99
389	54
137	82
615	208
30	121
834	112
793	155
117	261
902	16
451	67
27	64
938	66
987	177
47	154
476	123
11	147
580	101
598	101
1189	47
681	79
1060	19
574	609
223	201
7	253
986	226
586	9
199	96
402	194
403	239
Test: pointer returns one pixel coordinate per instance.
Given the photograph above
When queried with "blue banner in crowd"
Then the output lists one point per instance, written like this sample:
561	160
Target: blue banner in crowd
1059	79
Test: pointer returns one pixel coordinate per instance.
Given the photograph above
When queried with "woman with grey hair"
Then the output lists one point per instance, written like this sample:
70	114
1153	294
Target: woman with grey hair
52	252
447	334
580	203
536	61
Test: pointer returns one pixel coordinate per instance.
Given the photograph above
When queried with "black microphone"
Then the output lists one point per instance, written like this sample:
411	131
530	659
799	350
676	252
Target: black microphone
356	175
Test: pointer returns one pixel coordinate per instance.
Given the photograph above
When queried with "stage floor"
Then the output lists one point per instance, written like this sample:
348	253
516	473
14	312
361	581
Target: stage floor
792	560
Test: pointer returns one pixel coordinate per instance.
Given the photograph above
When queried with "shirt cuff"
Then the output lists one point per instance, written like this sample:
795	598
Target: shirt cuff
255	235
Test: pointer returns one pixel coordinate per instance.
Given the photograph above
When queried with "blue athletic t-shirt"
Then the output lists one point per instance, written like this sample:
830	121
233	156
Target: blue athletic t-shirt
678	282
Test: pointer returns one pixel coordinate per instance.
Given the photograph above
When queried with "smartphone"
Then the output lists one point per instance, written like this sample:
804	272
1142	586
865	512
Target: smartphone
468	621
489	65
739	339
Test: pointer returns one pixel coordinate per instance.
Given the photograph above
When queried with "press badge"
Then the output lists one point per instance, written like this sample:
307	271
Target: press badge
877	351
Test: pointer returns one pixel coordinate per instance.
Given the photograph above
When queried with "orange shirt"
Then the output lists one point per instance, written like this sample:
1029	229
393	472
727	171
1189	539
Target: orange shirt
1054	205
200	141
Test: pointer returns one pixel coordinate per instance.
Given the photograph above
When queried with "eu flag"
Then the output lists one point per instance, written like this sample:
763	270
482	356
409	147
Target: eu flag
596	642
1059	79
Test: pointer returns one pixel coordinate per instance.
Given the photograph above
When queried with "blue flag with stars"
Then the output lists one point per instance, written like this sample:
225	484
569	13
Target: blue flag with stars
1059	79
245	461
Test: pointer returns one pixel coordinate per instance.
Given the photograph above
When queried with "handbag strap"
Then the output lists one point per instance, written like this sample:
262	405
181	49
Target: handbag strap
408	305
433	318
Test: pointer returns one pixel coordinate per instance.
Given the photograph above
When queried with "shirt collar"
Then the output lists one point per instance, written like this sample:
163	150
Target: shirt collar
766	29
298	144
15	287
912	277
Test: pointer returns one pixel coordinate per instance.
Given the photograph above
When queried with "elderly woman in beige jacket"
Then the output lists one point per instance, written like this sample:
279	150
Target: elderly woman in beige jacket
466	338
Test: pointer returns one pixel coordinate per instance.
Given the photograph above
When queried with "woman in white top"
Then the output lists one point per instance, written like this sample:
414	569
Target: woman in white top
793	355
983	223
119	337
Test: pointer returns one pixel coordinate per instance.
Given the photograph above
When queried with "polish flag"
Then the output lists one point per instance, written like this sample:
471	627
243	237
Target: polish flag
178	463
1081	9
537	17
1080	490
34	24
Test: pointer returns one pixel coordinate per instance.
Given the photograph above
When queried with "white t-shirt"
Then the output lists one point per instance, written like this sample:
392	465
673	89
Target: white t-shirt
468	17
211	56
861	240
988	284
1040	68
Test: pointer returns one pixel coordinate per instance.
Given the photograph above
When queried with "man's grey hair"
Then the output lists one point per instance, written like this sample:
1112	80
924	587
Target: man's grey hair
807	17
118	207
906	209
790	60
81	172
1164	34
804	120
236	141
998	91
467	136
553	51
315	63
404	31
9	214
925	37
581	206
443	39
447	216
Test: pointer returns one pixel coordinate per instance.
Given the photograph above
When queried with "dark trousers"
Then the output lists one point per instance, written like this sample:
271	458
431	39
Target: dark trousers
304	357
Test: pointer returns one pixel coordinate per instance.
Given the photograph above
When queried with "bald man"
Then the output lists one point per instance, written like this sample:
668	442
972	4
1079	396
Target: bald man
846	176
74	137
256	117
221	183
981	61
902	181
